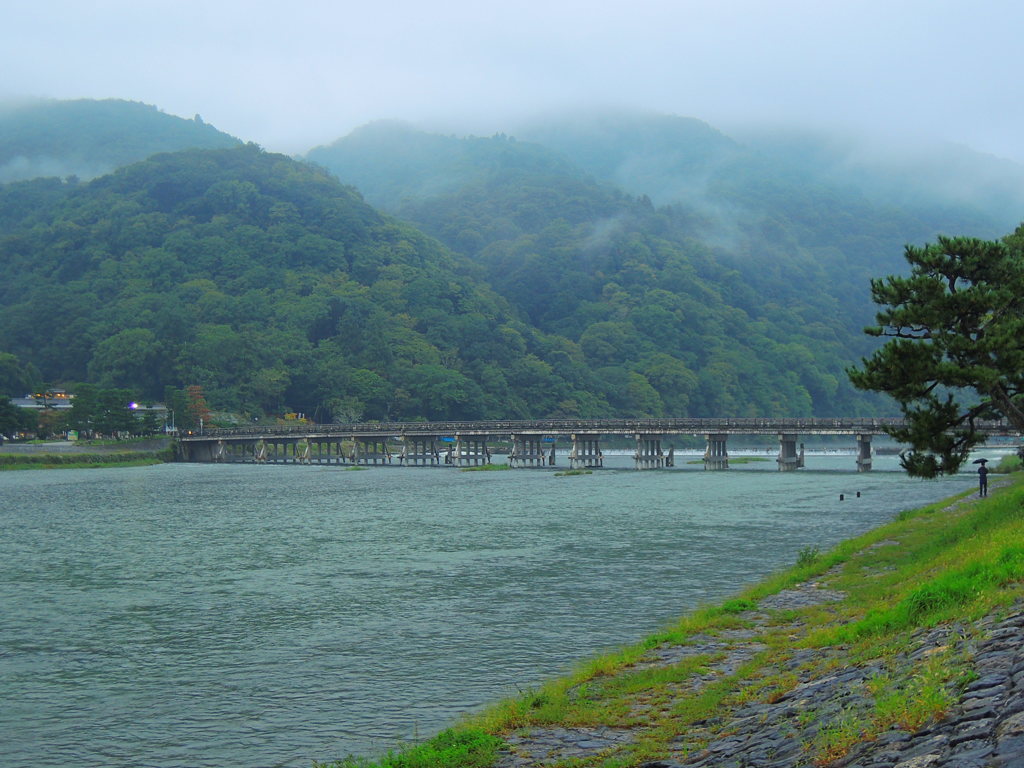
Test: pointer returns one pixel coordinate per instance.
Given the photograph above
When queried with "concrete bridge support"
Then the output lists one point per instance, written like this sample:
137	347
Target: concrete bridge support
648	453
328	451
471	451
716	455
528	451
242	451
217	452
370	450
205	452
420	452
273	452
291	447
863	453
280	451
789	459
585	453
273	449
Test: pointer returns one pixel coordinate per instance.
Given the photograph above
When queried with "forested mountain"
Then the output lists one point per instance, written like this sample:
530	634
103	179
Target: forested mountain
756	279
677	160
523	285
269	284
87	138
275	287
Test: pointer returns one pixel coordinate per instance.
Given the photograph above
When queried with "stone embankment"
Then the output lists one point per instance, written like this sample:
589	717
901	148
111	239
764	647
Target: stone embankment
829	692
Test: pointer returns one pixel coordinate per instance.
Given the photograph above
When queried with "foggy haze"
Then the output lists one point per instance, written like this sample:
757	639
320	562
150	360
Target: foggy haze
292	76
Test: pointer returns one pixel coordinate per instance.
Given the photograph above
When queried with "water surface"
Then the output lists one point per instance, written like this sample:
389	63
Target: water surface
202	615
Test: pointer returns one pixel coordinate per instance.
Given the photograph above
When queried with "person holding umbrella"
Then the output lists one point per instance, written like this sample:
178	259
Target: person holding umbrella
982	477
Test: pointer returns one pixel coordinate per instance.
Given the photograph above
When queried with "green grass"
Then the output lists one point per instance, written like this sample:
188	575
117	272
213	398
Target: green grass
738	605
573	473
1008	463
14	461
487	468
807	557
125	441
467	748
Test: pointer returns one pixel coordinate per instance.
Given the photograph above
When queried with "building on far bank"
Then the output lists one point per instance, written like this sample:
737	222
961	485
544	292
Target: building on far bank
52	398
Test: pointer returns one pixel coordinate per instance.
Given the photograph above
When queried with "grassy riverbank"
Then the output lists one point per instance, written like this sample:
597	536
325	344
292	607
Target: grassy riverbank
13	461
865	614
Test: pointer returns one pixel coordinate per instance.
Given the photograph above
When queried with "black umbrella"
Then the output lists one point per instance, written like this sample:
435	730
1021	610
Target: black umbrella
979	461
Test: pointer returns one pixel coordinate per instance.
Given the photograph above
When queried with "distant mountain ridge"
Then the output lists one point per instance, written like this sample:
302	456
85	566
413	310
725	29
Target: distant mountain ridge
677	160
746	242
271	285
635	266
88	138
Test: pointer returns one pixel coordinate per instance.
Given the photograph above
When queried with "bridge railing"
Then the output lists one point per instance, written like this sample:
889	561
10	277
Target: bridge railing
800	425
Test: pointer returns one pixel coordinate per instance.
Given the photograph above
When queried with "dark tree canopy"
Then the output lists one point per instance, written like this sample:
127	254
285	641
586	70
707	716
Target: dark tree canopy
956	354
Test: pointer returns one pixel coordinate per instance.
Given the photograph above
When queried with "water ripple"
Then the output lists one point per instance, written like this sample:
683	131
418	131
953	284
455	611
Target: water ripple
188	615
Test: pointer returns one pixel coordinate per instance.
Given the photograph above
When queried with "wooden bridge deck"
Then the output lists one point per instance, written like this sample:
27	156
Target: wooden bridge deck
568	427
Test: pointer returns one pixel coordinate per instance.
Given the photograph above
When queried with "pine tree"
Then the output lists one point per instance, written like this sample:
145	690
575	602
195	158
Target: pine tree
957	351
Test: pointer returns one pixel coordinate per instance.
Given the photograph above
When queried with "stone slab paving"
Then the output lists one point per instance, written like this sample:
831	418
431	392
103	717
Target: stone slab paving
985	730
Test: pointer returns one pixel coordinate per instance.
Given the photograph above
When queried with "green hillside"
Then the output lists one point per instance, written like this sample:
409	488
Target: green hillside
276	288
87	138
523	285
273	287
758	285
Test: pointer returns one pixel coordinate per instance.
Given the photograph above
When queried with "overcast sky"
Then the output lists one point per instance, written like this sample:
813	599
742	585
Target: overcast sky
291	75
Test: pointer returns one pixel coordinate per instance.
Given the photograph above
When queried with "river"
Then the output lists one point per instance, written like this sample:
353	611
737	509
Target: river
189	615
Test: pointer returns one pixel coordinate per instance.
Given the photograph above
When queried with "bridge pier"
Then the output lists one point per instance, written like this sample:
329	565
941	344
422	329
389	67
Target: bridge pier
276	450
585	453
217	452
324	454
789	460
471	451
716	455
527	451
420	451
863	453
272	451
242	451
370	450
648	453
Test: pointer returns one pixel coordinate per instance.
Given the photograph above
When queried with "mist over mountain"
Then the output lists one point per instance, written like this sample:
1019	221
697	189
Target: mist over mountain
272	286
87	138
675	159
778	208
786	230
618	265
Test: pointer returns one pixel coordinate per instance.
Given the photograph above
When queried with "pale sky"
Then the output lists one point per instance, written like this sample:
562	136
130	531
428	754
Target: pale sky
291	75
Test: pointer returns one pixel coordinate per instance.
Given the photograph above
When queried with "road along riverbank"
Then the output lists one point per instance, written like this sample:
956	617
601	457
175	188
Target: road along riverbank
903	647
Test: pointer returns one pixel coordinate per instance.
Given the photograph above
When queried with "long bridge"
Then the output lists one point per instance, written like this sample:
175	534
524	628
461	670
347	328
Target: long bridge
532	443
